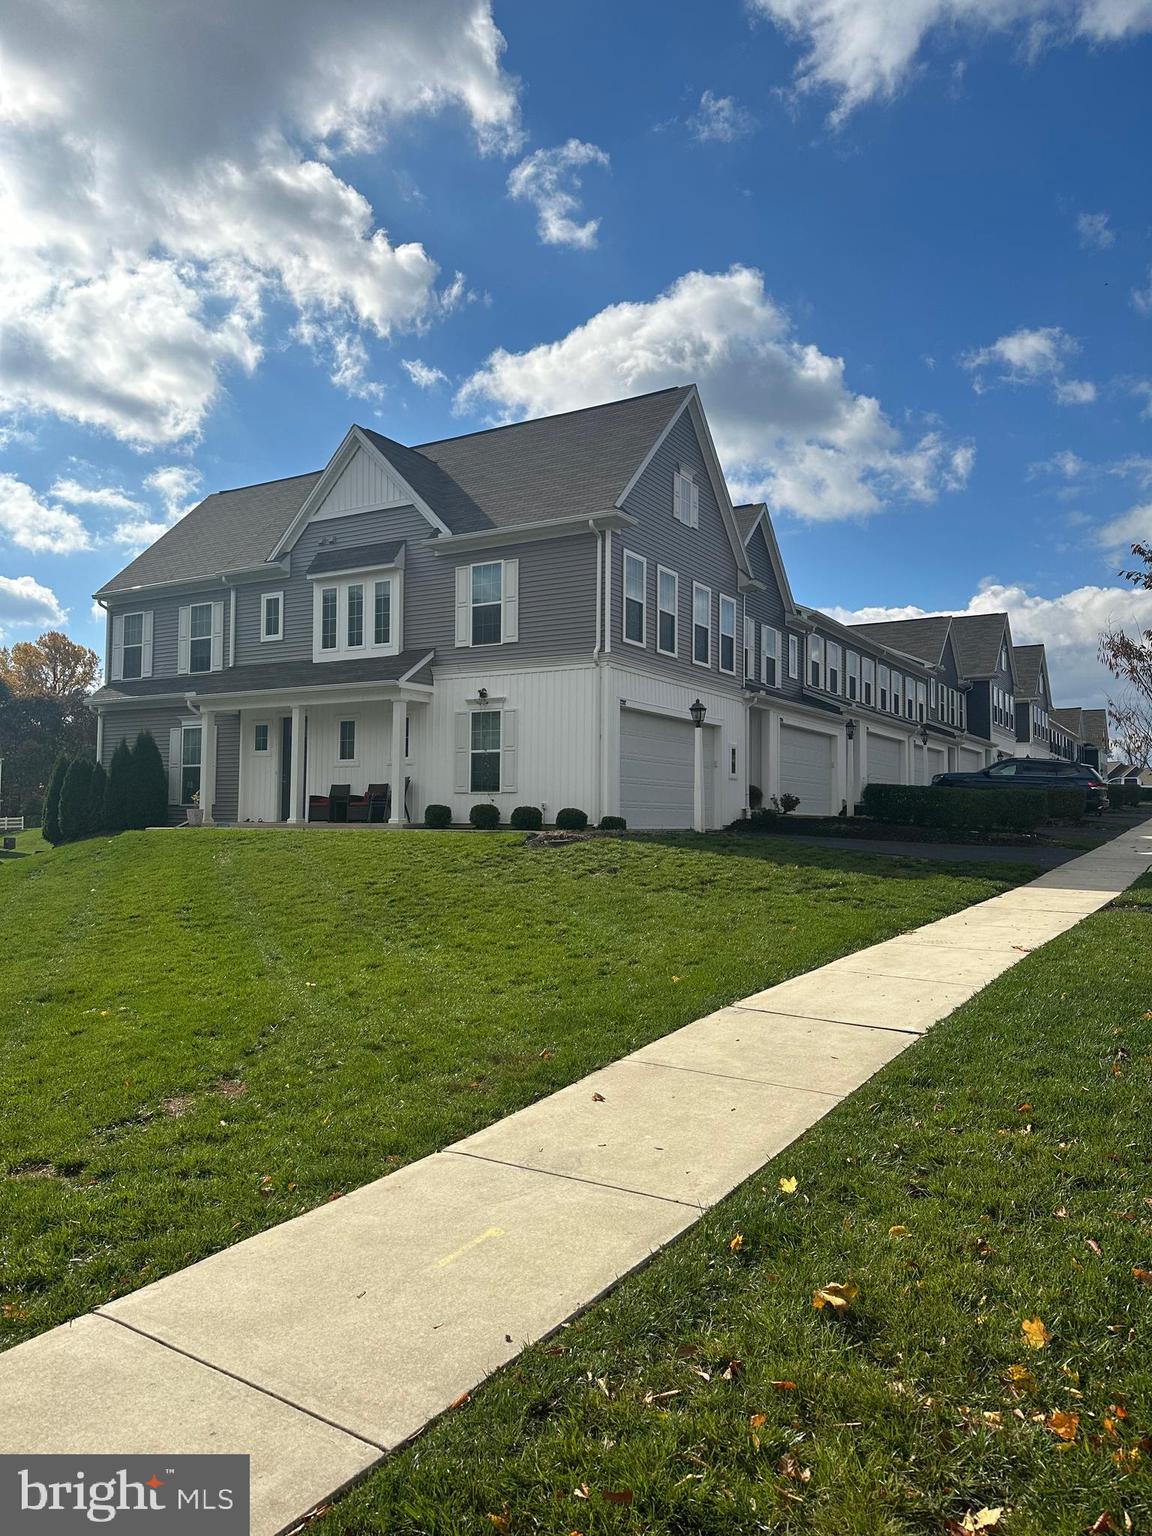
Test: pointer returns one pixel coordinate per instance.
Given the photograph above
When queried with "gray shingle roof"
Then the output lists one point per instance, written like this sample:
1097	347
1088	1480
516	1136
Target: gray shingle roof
1068	719
746	518
354	557
1094	726
268	675
531	471
915	637
1028	660
976	639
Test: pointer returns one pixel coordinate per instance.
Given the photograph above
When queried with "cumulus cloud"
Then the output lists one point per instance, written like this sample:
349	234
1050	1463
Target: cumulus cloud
75	494
720	119
423	375
550	180
45	528
1142	297
1131	527
861	50
1094	232
789	429
1037	356
176	487
169	172
26	604
1068	625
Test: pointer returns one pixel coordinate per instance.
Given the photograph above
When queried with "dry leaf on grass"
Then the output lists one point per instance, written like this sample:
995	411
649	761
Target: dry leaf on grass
789	1467
838	1297
1143	1275
1035	1333
503	1521
617	1496
899	1232
975	1520
737	1243
1063	1424
788	1186
1020	1377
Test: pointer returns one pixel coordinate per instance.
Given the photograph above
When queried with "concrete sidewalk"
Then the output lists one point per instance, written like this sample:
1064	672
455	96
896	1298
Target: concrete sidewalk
326	1342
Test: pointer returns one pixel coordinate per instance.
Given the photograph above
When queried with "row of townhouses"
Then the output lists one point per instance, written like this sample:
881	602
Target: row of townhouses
526	615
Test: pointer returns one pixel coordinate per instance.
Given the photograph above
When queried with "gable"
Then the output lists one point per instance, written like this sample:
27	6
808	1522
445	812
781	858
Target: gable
365	482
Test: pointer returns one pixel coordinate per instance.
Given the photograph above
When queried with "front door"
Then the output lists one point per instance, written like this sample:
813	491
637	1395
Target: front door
286	768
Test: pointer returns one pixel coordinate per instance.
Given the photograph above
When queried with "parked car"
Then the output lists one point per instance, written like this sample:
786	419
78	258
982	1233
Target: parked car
1033	773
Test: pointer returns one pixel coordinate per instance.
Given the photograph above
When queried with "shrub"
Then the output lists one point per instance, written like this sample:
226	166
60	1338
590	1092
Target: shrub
74	794
148	785
765	817
118	791
97	790
1067	804
484	817
785	804
439	816
755	796
569	819
51	826
613	824
526	818
968	810
1123	796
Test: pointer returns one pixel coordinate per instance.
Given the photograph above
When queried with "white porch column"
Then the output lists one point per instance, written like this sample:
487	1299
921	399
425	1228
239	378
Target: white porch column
839	769
296	811
770	747
909	764
861	745
207	764
399	723
697	778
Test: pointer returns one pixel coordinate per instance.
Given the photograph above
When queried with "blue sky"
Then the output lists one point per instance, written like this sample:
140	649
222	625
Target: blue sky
909	261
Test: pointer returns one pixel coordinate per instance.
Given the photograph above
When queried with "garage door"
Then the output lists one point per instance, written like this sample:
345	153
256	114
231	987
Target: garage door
656	781
806	770
937	761
969	760
885	760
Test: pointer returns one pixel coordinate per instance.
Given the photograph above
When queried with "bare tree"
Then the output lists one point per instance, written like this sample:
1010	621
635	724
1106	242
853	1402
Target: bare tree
1129	658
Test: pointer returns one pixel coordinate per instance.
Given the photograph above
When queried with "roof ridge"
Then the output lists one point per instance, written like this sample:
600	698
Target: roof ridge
506	426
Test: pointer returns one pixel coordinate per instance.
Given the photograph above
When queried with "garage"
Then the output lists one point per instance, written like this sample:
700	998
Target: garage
937	761
969	760
806	770
656	770
885	759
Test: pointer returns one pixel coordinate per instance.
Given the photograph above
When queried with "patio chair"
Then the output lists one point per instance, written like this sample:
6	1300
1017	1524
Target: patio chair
338	798
378	799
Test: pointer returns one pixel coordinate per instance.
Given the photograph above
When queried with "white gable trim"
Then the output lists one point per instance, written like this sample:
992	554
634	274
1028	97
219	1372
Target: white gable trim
776	560
354	442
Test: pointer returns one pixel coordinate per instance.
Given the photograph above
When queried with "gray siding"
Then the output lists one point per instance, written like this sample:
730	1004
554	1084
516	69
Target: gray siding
165	611
226	806
702	554
125	724
768	607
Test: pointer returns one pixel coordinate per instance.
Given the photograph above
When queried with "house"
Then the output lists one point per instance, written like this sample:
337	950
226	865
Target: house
1089	730
1130	773
524	615
1038	733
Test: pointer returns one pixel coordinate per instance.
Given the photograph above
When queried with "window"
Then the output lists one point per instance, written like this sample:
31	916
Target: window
1003	770
355	615
868	679
701	625
328	619
885	680
635	599
793	656
921	701
932	694
834	655
749	648
667	604
910	697
190	739
769	656
200	637
852	673
686	498
485	752
132	655
733	762
1004	658
260	736
407	736
727	634
815	661
487	595
487	602
382	613
346	741
272	616
897	684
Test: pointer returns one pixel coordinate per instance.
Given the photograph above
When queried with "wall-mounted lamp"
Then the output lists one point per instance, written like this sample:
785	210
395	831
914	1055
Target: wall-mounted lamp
923	734
482	695
697	711
850	728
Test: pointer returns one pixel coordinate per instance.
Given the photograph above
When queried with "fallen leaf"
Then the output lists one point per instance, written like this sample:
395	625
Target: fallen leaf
620	1496
458	1402
1035	1333
1063	1424
598	1098
788	1186
758	1420
838	1297
1102	1522
733	1369
1143	1275
1095	1247
1022	1108
789	1467
1020	1377
1061	1213
737	1243
899	1232
783	1386
501	1522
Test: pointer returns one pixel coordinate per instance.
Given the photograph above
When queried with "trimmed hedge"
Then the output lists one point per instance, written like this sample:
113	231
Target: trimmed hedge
526	818
613	824
569	819
438	816
1067	804
969	810
1124	796
484	817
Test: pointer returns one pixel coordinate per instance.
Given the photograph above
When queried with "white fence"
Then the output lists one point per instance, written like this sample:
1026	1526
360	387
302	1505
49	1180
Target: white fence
11	823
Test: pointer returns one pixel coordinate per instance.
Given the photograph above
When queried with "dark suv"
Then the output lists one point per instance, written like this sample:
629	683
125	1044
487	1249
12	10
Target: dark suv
1033	773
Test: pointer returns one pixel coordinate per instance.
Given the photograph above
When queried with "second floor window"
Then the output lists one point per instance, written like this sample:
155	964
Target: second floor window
868	680
852	674
770	656
328	619
487	602
921	701
727	634
833	667
815	661
357	617
793	655
272	616
355	637
201	637
701	624
635	599
667	597
884	680
132	655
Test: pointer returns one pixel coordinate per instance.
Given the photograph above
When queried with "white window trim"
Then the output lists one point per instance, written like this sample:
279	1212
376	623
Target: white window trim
852	675
642	643
698	586
509	605
816	656
474	752
116	661
778	659
685	476
731	601
663	570
261	751
794	656
868	681
342	651
264	597
838	667
353	761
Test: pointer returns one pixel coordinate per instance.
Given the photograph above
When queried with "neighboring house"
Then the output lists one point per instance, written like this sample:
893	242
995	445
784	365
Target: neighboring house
1129	773
1038	732
1089	730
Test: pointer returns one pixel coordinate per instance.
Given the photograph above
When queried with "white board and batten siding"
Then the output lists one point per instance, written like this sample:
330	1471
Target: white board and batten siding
365	482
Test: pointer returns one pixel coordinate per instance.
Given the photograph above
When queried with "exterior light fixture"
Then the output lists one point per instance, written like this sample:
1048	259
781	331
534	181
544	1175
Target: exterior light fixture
697	711
850	728
923	735
482	695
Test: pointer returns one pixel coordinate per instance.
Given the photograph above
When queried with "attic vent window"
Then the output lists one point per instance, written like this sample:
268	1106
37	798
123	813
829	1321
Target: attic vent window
686	498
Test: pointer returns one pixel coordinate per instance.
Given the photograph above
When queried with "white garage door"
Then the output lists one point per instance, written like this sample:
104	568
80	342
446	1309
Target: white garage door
656	756
885	760
969	760
806	770
937	761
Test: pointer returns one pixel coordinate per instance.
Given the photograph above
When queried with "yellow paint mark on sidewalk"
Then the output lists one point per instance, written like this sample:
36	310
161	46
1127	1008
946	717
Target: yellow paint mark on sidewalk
473	1242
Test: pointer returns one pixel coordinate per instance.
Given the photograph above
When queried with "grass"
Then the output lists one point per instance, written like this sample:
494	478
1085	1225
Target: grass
996	1172
205	1034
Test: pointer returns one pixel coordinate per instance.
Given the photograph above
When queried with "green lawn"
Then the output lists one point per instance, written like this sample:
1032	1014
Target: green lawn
207	1033
1001	1170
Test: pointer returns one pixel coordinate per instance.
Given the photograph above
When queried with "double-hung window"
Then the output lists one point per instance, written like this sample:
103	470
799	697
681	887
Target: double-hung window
932	694
770	656
686	498
727	634
852	674
272	616
635	599
191	738
921	701
793	655
868	680
381	613
834	654
346	741
132	652
487	602
484	761
896	699
885	682
701	625
910	697
357	617
667	605
200	637
261	733
749	648
328	631
815	661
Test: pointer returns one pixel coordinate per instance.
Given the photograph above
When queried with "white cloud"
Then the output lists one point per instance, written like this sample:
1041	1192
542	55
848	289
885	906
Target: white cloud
170	172
26	604
549	179
1031	357
423	375
1068	625
75	494
1131	527
720	119
788	428
30	523
176	487
1142	297
866	49
1094	231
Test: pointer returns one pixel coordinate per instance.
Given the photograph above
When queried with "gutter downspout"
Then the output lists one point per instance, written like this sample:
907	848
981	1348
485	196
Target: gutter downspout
599	696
